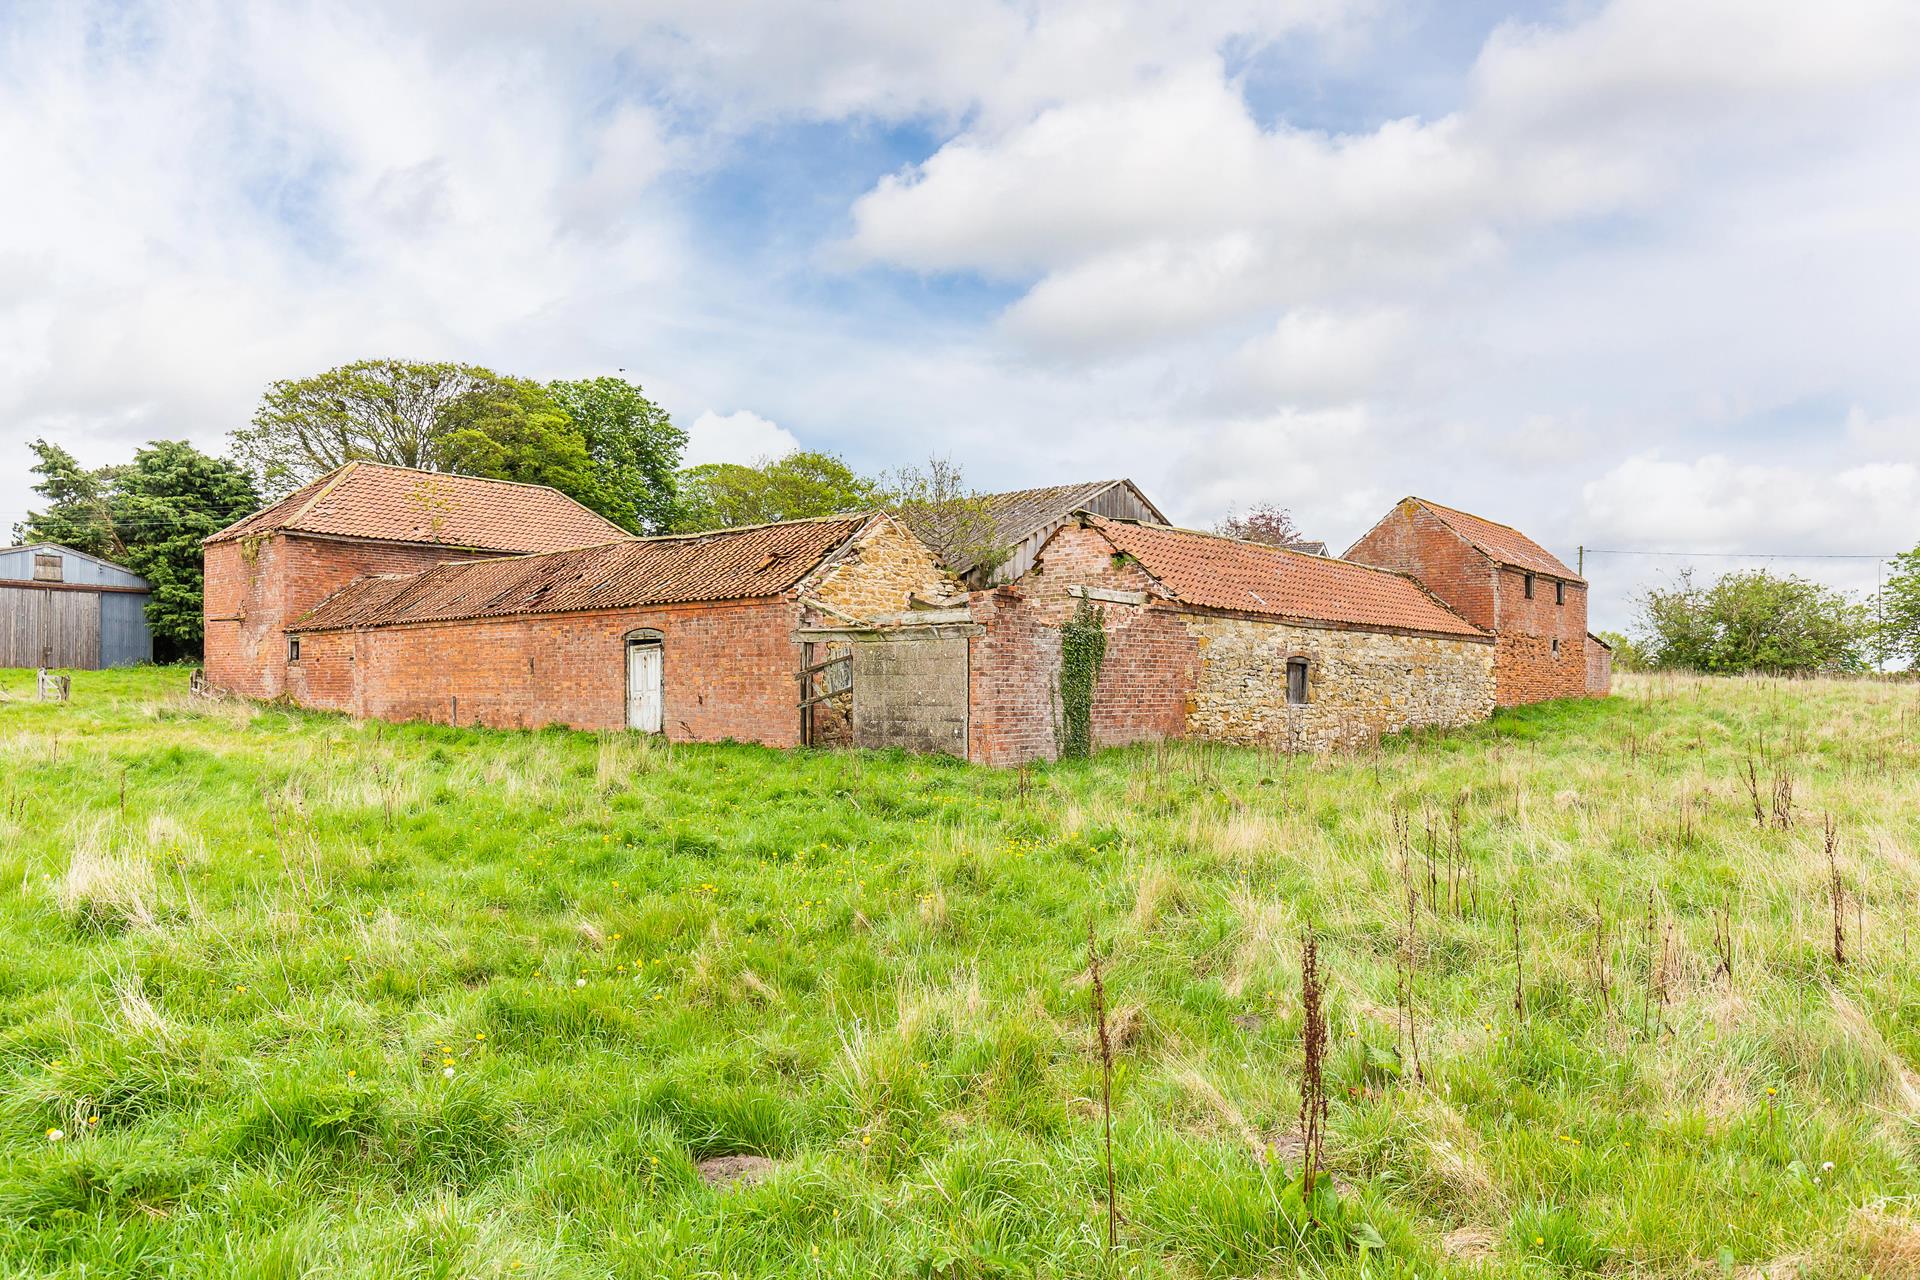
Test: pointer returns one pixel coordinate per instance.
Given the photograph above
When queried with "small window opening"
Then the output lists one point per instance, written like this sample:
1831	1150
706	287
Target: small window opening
1556	646
1559	593
1296	681
293	648
1529	582
48	567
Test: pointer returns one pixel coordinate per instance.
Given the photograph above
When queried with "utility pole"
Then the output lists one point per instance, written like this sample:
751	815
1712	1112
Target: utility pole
1581	568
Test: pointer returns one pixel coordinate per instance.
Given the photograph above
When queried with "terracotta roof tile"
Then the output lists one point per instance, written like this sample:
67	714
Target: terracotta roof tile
1215	572
396	504
727	564
1503	544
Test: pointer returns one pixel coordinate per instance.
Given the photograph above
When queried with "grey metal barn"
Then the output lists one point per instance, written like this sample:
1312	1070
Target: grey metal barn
63	608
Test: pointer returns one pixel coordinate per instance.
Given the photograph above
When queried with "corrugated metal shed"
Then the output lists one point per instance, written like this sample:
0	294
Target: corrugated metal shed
64	608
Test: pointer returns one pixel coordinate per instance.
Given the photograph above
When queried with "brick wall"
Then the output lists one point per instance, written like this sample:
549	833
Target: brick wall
1142	690
256	586
1528	667
1411	539
1599	669
728	671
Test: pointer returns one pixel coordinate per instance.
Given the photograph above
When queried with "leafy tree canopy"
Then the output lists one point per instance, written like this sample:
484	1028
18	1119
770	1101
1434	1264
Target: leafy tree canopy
633	448
394	411
1753	621
725	495
1899	610
76	513
149	515
600	441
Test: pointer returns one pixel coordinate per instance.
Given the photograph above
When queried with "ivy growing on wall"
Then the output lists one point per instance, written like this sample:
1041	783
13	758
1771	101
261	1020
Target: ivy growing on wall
1083	647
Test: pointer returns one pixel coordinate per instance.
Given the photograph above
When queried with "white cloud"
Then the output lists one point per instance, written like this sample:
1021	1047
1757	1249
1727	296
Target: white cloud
740	436
1161	206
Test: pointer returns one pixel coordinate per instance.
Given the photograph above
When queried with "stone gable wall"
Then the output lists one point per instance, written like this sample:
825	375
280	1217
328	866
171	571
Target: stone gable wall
880	572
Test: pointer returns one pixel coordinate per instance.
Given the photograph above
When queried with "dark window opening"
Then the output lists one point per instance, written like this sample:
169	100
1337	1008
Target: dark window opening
293	648
1559	593
1529	584
1296	681
1556	646
48	567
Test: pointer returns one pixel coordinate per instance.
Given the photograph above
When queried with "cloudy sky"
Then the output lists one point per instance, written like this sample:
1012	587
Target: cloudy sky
1638	274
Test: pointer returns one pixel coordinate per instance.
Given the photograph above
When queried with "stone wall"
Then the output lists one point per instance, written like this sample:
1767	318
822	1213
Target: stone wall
1360	684
879	574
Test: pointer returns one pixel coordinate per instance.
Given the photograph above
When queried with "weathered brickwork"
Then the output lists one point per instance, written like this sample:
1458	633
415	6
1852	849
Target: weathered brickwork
1599	669
1541	646
729	668
1360	684
1173	672
255	586
728	671
1411	539
1528	664
879	574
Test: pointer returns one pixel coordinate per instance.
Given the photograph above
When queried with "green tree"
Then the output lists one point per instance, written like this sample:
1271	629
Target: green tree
393	411
1753	622
162	504
634	449
957	522
725	495
1627	655
149	515
1899	610
511	429
76	513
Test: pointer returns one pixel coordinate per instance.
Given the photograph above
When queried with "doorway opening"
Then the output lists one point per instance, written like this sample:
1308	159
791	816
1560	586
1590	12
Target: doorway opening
646	687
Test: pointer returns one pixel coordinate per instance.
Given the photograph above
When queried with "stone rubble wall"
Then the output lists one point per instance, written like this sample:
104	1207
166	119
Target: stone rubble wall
1360	684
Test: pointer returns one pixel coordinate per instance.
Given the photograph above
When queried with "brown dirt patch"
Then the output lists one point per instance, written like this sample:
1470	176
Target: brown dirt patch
729	1171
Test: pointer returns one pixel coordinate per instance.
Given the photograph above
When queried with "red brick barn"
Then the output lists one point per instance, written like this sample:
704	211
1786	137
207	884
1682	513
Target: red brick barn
696	636
1499	579
363	518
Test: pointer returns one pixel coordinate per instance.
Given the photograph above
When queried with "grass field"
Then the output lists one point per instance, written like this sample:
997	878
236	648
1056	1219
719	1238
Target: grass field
304	997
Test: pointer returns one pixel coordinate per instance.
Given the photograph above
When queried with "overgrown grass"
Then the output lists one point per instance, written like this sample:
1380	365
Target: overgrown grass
306	997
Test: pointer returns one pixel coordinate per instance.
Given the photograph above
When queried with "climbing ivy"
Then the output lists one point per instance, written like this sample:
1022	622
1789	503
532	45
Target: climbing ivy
1083	647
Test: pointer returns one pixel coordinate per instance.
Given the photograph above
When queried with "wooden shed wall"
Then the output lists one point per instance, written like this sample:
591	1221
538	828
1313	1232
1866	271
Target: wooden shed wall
39	627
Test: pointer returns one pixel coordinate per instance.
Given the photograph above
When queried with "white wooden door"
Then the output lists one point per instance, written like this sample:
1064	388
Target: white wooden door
644	694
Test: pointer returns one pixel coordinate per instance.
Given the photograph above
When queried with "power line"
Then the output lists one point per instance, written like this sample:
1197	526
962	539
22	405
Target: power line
1753	555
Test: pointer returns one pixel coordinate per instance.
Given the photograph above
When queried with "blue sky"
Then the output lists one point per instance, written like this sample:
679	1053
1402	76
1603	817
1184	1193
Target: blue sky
1627	273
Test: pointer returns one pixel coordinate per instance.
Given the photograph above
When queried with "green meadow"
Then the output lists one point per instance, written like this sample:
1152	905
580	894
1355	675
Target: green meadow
284	995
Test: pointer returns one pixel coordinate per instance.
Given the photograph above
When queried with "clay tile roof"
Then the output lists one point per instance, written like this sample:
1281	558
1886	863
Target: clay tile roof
1017	513
1503	544
726	564
1215	572
397	504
